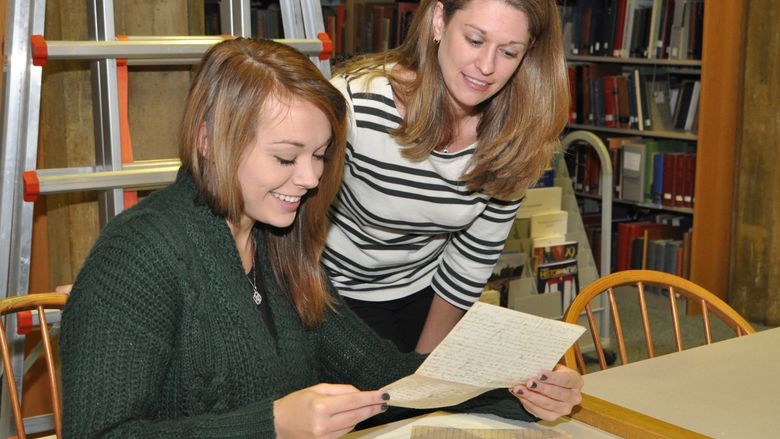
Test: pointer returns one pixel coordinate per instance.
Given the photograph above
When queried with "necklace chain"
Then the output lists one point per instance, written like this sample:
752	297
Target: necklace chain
256	296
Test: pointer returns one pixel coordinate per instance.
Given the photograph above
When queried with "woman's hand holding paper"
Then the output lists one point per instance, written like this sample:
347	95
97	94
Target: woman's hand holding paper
551	394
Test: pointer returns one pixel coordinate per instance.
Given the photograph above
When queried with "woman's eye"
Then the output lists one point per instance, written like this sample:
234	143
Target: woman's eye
320	157
474	42
285	162
510	54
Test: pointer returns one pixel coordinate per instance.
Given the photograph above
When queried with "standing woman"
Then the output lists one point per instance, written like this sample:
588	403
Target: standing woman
447	133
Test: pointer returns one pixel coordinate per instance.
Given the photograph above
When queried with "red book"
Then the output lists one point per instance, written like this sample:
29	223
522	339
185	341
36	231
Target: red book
679	181
627	232
592	172
670	166
620	25
330	27
585	82
585	32
666	29
404	20
572	75
383	27
341	16
690	178
611	103
693	182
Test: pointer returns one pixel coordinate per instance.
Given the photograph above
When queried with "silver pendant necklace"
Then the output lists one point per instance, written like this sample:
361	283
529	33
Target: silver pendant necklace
256	296
255	293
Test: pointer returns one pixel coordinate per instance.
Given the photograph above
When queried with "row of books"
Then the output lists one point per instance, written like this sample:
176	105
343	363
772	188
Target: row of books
654	246
354	26
265	19
608	95
654	29
267	22
629	235
652	171
362	26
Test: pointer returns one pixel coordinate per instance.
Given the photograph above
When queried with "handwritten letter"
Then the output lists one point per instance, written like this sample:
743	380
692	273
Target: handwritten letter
490	347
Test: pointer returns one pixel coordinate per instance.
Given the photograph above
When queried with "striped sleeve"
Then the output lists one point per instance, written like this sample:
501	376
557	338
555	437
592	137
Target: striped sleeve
471	254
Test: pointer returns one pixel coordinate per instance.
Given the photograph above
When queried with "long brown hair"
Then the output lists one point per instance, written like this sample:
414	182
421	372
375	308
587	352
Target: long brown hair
519	126
236	78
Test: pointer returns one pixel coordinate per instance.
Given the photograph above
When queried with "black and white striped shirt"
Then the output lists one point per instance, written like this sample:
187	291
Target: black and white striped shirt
399	226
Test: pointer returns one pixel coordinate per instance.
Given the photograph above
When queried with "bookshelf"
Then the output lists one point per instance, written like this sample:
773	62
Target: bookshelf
354	26
715	137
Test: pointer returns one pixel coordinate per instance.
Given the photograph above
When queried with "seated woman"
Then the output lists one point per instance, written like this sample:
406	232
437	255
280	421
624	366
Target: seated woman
203	311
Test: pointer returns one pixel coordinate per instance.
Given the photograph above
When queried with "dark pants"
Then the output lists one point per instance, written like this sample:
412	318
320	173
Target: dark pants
400	321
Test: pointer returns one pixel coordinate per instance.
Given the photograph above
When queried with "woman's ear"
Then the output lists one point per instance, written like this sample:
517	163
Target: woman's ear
437	22
203	139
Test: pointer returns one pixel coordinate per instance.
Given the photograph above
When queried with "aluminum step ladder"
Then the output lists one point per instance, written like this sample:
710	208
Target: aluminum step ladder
21	183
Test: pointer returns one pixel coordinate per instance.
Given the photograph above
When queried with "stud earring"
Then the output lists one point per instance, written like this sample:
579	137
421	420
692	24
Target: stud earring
435	42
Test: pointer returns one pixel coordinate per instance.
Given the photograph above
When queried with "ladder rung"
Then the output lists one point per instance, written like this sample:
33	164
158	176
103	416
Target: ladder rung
137	175
164	50
169	61
27	320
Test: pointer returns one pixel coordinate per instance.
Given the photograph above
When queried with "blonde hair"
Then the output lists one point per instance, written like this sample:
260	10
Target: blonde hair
519	126
226	99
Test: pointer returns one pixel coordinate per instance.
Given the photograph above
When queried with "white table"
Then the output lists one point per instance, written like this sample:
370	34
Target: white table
729	389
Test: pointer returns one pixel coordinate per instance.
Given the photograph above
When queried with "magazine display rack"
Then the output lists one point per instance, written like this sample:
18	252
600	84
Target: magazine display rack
585	257
554	304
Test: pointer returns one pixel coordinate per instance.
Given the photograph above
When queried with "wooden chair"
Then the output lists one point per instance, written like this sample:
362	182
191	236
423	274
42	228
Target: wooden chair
641	279
39	303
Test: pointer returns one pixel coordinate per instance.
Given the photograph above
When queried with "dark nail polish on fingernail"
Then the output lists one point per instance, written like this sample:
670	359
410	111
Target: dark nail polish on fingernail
533	385
383	407
385	396
543	378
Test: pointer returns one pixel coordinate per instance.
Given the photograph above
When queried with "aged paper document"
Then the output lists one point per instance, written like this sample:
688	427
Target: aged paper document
431	432
490	347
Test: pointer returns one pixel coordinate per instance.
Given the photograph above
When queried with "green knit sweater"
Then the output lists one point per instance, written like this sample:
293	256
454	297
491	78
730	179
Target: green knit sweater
161	337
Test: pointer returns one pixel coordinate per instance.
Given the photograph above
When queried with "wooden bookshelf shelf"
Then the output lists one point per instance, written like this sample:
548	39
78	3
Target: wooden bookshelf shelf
634	61
685	210
678	135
